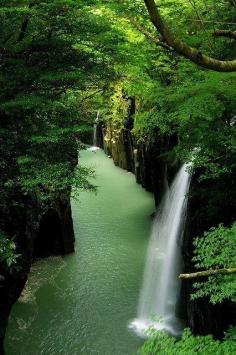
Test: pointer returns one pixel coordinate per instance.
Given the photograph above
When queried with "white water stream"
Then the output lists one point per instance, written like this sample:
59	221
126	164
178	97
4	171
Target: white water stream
161	287
95	128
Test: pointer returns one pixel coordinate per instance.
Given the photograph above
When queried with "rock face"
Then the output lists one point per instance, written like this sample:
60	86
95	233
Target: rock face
154	170
38	231
149	161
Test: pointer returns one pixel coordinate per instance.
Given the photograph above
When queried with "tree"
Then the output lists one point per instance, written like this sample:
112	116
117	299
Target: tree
53	67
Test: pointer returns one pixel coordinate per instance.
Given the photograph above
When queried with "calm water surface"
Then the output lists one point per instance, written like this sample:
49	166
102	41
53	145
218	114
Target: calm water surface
83	303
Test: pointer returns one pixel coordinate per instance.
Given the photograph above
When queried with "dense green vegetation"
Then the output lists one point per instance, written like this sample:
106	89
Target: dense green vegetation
161	343
216	249
52	66
8	255
63	60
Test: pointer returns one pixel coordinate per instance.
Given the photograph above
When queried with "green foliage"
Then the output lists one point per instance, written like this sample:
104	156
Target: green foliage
175	97
163	344
57	57
216	249
200	112
54	65
8	255
50	180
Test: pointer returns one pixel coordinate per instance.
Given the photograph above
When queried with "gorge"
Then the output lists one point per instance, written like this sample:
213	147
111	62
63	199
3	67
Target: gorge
101	105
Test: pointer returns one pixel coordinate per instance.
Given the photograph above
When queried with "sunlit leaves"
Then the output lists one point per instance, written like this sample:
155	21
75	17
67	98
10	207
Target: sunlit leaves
50	83
215	250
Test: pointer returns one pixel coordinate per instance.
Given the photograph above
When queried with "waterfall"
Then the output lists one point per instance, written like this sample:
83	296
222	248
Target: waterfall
95	129
161	287
95	126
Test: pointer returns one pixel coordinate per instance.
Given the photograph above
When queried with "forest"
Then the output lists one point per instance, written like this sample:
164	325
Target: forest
117	177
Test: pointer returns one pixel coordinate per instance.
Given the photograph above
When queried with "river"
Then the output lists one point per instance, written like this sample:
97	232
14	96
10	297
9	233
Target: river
83	303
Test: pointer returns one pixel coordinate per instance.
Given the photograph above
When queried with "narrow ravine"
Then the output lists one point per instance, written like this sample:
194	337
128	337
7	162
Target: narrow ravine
83	303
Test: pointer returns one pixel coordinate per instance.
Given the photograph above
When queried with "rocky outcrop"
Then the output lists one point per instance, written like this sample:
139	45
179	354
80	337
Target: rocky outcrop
118	144
38	230
154	166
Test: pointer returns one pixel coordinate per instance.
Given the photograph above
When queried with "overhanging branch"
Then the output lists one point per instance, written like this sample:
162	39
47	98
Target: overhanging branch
184	49
149	36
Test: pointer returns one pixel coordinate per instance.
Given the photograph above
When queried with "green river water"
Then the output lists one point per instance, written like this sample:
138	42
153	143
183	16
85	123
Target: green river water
83	303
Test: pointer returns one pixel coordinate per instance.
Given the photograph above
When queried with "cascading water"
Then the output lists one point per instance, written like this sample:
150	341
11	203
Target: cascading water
95	128
161	286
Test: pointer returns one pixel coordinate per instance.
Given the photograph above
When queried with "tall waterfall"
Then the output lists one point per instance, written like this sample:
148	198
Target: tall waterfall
161	288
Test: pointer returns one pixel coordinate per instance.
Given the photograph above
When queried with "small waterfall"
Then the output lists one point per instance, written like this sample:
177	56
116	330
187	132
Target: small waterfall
161	288
95	130
95	127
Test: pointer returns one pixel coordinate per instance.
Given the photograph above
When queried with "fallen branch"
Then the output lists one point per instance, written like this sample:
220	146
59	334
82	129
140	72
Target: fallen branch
205	273
210	21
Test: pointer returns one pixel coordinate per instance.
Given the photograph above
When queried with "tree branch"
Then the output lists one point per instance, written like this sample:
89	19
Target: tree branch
182	48
149	36
225	33
194	275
